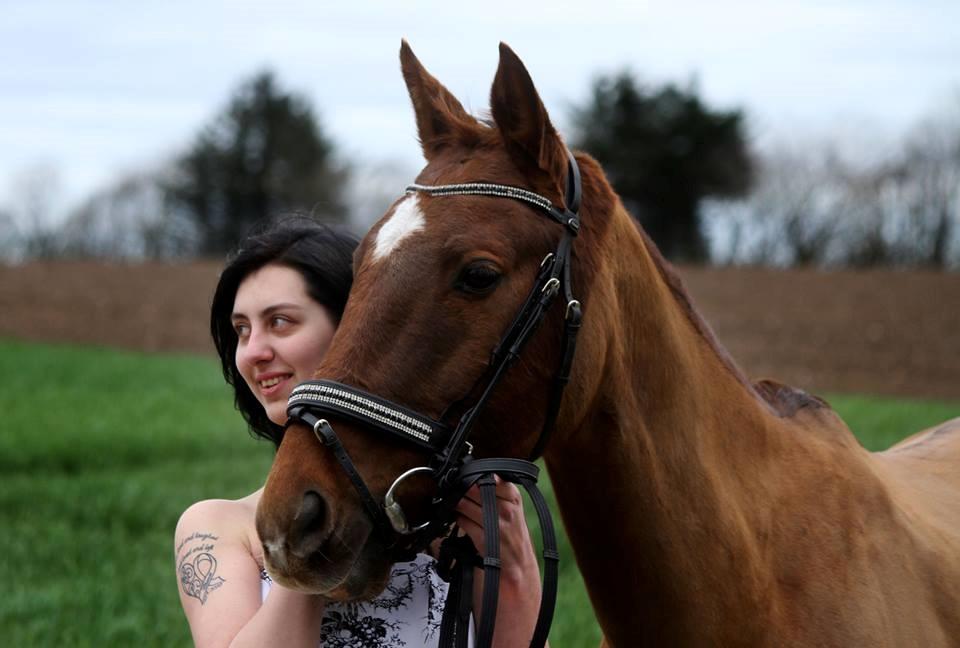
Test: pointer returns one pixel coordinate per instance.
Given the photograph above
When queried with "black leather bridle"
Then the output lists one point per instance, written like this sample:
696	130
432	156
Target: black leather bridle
452	464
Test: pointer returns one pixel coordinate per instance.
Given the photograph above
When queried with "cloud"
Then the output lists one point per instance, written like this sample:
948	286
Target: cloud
97	86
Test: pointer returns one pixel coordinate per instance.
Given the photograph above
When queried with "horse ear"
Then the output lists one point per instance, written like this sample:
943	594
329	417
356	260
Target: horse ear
529	136
439	115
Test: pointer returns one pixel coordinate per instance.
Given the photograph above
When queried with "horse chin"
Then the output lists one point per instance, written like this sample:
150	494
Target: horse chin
367	579
335	571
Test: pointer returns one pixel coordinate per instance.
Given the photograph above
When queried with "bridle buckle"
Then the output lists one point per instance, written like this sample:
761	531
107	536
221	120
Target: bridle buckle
318	427
550	288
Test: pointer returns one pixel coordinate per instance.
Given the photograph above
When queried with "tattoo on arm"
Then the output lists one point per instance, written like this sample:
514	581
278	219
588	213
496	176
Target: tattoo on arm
197	566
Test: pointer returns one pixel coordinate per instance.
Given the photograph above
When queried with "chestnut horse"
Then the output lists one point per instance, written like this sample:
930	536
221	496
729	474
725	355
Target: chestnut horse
702	509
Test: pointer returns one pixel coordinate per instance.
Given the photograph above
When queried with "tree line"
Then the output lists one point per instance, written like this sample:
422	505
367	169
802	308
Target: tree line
811	207
264	154
684	169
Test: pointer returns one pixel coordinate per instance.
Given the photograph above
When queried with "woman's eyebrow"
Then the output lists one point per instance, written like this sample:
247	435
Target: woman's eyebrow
269	310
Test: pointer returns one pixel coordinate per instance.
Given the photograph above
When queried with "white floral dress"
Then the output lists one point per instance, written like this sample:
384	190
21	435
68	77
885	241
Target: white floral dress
407	614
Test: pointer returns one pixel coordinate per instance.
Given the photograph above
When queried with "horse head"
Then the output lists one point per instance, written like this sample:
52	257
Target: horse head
438	279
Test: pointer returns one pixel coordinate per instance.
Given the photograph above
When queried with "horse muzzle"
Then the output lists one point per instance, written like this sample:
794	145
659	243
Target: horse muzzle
313	551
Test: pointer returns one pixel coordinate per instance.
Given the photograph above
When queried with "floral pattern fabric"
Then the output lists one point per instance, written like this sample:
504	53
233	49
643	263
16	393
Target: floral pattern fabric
406	615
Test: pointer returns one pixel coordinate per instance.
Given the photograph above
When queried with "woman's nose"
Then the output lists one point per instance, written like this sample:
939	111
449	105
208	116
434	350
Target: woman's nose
257	349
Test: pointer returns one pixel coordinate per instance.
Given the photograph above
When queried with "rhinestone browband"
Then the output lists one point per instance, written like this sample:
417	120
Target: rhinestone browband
482	189
391	417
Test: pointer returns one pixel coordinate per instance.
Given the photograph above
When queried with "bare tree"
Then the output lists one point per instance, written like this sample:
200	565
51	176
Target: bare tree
36	192
932	168
130	219
790	216
873	201
9	238
810	207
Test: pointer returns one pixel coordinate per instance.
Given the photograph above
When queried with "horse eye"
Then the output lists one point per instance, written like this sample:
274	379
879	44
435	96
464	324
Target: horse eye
478	278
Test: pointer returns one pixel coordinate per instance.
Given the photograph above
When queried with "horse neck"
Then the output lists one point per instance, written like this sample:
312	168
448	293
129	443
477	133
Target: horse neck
660	475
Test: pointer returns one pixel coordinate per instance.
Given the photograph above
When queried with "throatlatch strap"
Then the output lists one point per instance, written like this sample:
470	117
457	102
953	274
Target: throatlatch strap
572	326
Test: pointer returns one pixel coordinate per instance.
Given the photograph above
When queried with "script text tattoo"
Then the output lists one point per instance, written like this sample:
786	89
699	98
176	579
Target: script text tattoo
197	566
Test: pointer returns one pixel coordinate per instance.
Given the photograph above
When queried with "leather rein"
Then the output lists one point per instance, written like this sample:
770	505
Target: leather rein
452	464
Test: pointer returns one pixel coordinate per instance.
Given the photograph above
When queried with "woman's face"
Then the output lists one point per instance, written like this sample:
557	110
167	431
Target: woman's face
282	334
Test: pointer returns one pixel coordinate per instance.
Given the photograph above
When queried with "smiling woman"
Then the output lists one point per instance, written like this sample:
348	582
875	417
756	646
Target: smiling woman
281	331
273	317
316	263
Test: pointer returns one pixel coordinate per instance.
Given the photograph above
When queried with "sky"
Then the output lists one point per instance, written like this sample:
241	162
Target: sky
91	91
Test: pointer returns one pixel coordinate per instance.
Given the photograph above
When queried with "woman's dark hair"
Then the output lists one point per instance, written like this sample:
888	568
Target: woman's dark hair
321	254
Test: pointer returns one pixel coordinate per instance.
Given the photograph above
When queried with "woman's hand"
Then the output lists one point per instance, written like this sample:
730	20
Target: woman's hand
519	600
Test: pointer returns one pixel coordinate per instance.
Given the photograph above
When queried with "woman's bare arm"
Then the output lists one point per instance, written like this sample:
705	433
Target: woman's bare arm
219	584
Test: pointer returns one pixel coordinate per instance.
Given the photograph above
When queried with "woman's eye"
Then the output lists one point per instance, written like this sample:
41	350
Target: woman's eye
278	321
241	329
478	278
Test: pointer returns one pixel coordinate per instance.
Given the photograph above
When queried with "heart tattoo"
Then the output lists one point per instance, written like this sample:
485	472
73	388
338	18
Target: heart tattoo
199	578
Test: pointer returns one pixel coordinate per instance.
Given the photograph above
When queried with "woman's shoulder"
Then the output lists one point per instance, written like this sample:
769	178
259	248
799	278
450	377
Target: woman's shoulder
231	521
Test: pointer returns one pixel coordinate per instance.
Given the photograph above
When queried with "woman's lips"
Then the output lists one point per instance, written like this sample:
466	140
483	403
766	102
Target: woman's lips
270	385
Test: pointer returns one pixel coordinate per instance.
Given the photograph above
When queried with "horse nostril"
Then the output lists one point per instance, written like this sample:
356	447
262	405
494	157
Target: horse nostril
312	513
309	524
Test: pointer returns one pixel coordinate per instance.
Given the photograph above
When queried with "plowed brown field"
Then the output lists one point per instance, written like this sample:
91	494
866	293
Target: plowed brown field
882	332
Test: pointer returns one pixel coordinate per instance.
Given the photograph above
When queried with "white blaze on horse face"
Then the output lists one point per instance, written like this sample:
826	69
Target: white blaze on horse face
407	219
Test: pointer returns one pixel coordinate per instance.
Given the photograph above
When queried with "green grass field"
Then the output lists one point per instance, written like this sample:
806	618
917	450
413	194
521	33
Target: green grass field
100	452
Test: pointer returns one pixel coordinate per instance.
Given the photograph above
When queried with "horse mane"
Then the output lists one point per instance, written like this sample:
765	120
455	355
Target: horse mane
479	132
784	399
